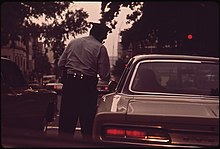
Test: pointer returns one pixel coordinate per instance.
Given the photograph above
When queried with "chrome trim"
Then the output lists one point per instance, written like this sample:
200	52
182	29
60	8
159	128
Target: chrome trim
152	144
161	60
172	97
173	61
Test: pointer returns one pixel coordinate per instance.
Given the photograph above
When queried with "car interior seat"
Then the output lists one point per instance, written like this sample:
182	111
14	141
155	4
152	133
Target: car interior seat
147	81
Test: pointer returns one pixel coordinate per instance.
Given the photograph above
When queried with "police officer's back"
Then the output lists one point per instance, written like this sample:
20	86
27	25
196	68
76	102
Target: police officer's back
83	59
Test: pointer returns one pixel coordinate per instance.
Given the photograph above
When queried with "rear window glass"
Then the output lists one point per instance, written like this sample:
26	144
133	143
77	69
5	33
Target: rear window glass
177	77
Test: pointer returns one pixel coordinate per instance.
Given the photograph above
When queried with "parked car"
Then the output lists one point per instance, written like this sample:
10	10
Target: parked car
22	106
55	86
49	79
162	101
35	84
102	87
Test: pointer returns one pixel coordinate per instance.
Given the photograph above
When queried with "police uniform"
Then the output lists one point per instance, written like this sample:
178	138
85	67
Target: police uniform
83	59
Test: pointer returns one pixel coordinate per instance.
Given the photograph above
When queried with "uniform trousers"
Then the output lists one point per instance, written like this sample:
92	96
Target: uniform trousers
79	101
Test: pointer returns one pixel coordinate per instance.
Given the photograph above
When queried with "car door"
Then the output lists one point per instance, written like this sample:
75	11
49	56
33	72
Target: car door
21	106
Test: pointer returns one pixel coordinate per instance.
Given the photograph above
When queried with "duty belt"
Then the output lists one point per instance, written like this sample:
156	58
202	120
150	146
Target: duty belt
81	76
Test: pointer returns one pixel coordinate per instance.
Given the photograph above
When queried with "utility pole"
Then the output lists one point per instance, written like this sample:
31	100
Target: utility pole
119	30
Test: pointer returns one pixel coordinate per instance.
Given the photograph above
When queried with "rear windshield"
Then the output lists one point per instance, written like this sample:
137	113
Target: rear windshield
176	77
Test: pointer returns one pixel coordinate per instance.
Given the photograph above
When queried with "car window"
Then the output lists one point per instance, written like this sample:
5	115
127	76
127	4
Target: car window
11	74
180	78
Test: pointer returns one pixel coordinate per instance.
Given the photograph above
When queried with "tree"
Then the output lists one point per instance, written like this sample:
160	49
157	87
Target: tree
110	10
17	19
119	67
172	21
43	66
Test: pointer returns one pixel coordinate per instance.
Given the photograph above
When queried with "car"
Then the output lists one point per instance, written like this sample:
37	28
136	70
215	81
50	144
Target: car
35	84
49	79
21	105
55	86
162	100
102	87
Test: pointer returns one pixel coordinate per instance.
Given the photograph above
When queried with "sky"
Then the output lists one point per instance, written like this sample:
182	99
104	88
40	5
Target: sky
94	9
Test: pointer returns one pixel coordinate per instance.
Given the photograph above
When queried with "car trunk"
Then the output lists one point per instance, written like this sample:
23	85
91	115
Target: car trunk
181	114
186	121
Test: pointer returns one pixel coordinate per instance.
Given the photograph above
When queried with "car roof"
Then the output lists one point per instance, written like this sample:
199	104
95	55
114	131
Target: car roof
171	56
4	58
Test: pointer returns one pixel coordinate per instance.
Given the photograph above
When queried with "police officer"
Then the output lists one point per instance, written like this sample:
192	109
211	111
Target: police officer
83	59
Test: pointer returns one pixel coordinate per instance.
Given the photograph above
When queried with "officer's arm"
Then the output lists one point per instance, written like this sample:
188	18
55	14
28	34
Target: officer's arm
104	64
63	58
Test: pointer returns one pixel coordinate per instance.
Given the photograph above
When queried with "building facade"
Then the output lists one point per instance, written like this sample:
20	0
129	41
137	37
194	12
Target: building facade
21	54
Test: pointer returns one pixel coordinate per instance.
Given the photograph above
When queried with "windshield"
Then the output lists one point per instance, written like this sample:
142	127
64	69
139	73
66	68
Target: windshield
176	77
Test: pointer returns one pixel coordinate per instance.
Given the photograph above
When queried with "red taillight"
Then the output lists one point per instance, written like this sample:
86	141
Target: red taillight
115	132
151	135
54	87
106	87
123	132
135	133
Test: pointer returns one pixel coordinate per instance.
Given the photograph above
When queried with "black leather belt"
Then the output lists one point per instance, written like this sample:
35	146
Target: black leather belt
78	75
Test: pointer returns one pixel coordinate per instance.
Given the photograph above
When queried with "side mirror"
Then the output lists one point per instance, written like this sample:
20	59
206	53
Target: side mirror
112	85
